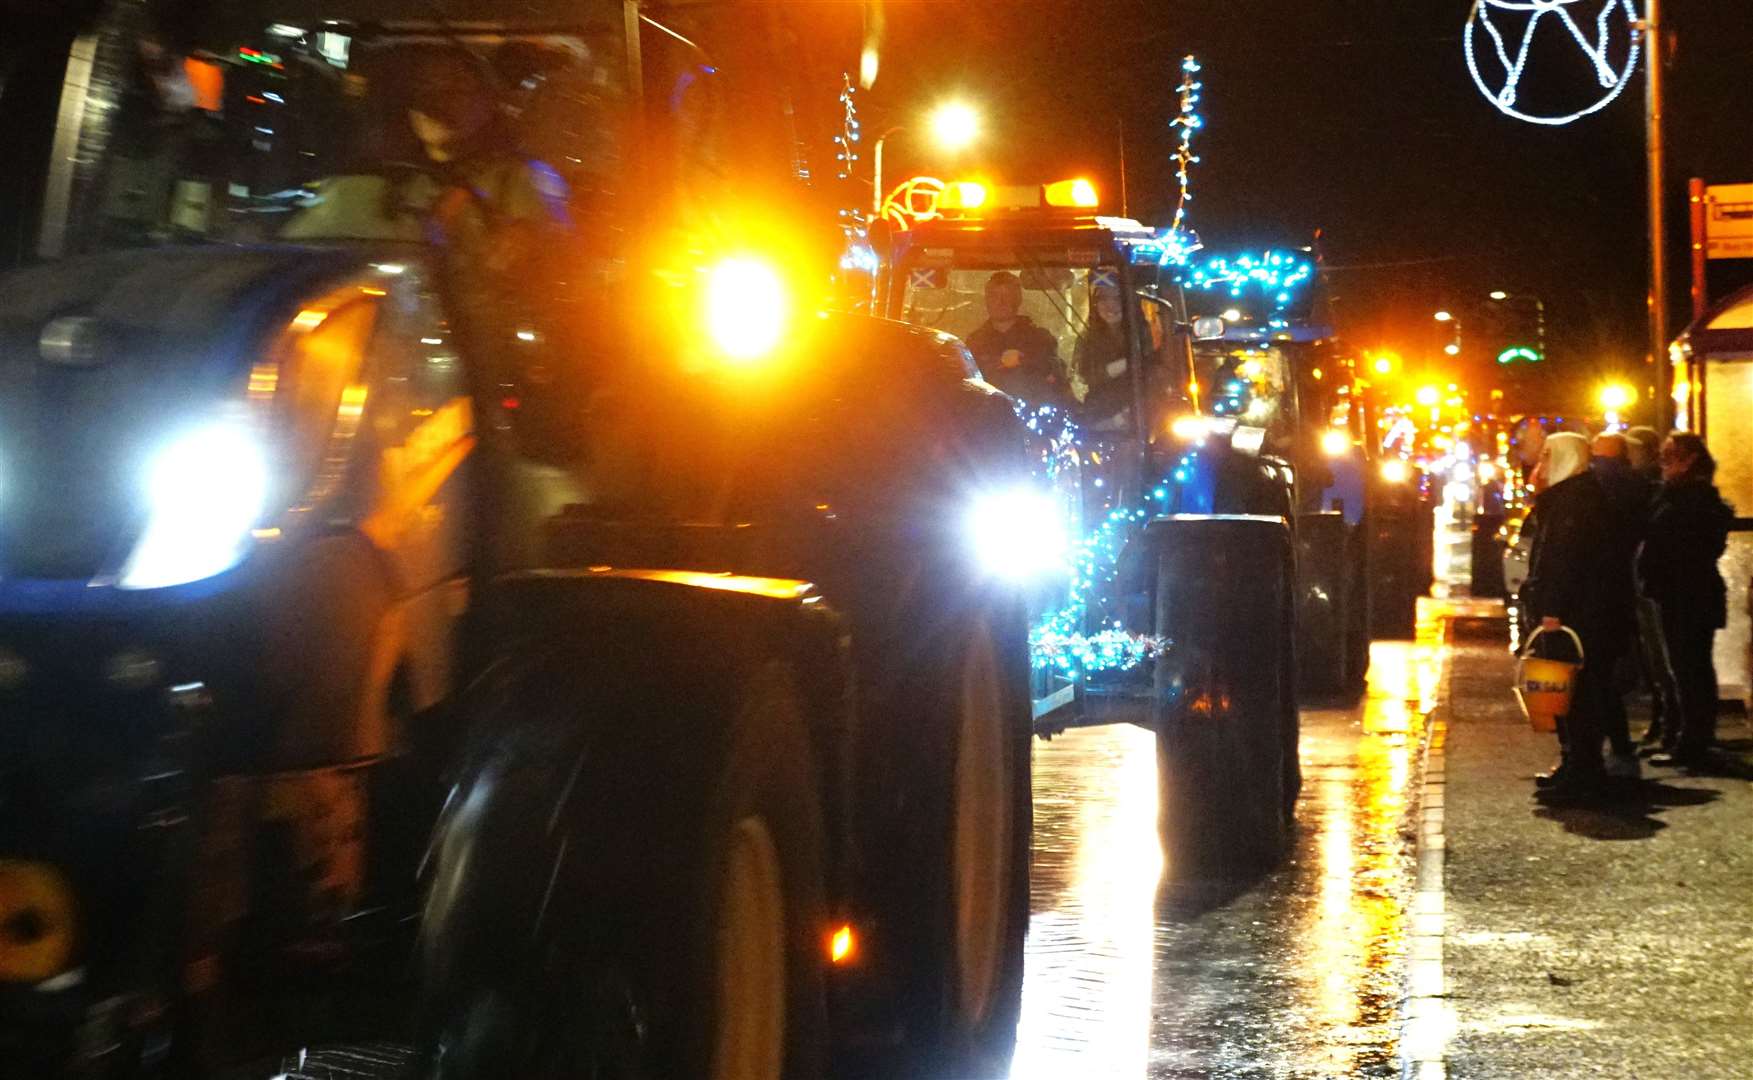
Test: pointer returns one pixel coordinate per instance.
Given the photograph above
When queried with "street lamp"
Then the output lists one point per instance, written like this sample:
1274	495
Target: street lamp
1453	348
954	126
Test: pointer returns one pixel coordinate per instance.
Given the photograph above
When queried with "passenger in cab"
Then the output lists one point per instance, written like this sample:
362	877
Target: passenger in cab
1103	362
1014	354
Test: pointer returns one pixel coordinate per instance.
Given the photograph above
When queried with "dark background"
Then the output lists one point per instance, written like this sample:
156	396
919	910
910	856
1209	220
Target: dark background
1358	118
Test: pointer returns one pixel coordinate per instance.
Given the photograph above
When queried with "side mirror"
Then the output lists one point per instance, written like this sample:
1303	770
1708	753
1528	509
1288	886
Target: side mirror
1207	328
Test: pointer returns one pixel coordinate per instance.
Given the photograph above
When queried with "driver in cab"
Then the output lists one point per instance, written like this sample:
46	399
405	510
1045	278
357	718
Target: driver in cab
446	165
1014	354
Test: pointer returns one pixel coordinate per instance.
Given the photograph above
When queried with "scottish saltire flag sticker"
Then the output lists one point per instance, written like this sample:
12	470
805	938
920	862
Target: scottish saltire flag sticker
926	278
1105	278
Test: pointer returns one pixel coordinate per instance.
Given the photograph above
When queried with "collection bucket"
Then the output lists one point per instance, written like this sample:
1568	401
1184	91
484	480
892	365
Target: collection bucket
1544	687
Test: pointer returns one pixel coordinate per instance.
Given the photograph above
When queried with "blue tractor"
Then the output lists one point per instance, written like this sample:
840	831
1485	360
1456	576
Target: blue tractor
1199	564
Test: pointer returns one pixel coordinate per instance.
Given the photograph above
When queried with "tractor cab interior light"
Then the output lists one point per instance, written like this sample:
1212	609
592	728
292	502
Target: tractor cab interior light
1071	193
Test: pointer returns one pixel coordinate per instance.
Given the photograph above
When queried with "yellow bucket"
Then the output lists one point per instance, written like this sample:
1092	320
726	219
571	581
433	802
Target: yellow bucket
1544	687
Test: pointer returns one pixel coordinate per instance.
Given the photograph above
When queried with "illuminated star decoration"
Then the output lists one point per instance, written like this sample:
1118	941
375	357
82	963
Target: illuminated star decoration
1612	81
859	255
1189	121
1061	640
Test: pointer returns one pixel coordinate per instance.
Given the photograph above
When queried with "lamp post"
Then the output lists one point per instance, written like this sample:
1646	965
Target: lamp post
1453	348
954	126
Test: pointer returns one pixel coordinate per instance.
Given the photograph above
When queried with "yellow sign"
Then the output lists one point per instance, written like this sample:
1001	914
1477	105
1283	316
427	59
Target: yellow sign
1728	226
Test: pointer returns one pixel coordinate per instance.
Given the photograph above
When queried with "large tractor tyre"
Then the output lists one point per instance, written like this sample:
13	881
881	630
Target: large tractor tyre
1395	578
1357	611
957	893
1323	607
633	905
1225	692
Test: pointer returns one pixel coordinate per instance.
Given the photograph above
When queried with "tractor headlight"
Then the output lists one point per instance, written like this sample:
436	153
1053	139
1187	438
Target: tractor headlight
747	307
1394	471
1018	533
205	490
1335	442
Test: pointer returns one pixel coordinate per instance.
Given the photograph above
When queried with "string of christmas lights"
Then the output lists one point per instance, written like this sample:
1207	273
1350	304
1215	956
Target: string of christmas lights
859	256
1189	121
1277	274
1060	641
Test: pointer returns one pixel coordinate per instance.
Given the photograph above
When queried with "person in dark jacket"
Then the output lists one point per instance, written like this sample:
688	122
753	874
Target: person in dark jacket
1677	570
1103	361
1579	577
1014	354
1642	445
1630	493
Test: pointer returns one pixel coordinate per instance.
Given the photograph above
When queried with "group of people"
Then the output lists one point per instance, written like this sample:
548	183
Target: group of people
1022	358
1627	532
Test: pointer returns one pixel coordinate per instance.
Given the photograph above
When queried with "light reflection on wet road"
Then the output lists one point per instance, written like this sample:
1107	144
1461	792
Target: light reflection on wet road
1298	974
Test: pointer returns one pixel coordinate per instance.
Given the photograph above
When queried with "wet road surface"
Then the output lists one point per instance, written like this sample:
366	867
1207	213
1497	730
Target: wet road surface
1297	974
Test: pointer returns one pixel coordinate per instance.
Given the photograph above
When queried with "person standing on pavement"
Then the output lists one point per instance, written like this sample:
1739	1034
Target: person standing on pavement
1677	571
1579	577
1630	495
1642	444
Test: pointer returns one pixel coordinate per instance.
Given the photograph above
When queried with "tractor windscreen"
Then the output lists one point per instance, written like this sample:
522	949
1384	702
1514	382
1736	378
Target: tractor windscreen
230	127
1063	301
1255	386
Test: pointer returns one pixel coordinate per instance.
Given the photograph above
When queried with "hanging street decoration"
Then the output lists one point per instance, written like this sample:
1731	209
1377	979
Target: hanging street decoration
1501	34
859	256
1188	121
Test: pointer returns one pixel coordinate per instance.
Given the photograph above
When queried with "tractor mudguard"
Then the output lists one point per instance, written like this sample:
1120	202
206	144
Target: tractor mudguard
611	629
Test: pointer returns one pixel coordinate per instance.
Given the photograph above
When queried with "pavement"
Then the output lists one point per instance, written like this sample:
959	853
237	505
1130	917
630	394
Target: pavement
1602	942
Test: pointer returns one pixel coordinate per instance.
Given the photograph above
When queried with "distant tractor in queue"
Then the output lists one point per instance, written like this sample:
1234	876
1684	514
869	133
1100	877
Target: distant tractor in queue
1194	568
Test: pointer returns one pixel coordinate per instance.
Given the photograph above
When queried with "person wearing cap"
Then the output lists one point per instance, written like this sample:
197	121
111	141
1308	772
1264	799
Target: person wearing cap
1014	354
1578	577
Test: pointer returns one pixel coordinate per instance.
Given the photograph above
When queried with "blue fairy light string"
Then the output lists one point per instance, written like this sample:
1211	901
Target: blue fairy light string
1060	641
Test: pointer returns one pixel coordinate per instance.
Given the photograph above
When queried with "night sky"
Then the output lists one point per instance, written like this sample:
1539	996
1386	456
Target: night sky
1357	117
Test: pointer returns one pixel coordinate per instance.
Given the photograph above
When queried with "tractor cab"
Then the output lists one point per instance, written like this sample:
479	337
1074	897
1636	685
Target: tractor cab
1061	308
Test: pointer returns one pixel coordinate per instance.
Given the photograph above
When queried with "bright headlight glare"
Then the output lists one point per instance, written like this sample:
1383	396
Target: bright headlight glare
746	308
205	490
1190	428
1335	442
1394	471
1018	533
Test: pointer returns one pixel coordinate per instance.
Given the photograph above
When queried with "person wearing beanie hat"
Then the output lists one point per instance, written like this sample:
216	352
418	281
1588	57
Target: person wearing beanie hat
1578	577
